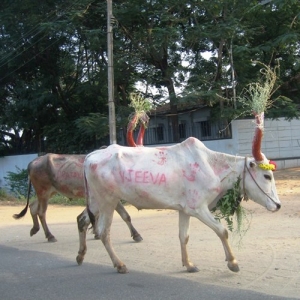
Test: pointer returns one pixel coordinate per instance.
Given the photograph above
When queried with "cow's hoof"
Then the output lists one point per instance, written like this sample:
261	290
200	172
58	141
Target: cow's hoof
52	239
122	269
137	238
33	231
233	266
79	260
97	237
193	269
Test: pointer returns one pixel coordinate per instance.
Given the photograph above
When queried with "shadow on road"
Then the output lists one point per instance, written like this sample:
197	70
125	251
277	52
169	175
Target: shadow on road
30	275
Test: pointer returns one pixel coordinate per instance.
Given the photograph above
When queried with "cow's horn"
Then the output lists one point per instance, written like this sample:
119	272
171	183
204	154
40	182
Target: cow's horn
131	126
144	119
256	144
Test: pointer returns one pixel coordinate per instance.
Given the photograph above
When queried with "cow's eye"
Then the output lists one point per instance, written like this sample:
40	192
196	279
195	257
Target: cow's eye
268	177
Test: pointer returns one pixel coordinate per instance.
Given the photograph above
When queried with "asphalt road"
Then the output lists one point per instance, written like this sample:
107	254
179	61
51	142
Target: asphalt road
32	268
27	275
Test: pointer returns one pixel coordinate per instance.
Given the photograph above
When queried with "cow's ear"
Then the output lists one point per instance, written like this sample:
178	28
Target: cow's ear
252	164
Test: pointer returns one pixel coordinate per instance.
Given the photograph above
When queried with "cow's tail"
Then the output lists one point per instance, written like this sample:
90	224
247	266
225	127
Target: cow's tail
24	211
90	214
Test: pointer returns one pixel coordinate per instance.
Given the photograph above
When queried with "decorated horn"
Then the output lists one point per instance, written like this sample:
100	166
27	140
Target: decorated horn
131	126
140	138
144	119
259	131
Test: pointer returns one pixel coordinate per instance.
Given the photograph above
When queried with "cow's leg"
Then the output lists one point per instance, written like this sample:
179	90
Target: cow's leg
184	224
103	226
42	208
83	222
127	219
33	211
204	215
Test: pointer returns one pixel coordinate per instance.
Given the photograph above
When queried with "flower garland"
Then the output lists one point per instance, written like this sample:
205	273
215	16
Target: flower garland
270	166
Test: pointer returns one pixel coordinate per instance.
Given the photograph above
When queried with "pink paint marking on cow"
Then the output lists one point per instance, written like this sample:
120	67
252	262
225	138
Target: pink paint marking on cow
65	189
193	198
102	163
162	179
218	190
111	185
94	167
162	158
219	164
218	171
127	178
191	176
254	174
63	175
144	195
191	141
80	194
41	191
81	161
142	176
36	161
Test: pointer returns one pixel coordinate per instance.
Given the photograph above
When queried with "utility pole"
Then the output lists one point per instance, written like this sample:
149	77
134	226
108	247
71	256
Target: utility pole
110	71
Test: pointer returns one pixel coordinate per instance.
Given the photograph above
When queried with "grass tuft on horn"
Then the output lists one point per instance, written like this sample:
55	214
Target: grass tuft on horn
141	106
139	116
256	97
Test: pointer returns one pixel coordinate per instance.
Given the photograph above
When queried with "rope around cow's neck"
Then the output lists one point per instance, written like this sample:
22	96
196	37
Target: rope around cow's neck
245	195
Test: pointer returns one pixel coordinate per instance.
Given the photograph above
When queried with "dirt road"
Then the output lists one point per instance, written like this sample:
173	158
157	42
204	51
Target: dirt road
269	257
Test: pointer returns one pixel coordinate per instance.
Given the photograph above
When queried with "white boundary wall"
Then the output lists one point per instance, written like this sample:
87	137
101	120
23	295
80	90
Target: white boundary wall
9	164
281	141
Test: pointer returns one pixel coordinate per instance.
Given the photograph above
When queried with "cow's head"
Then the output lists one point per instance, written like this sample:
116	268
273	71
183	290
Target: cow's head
259	182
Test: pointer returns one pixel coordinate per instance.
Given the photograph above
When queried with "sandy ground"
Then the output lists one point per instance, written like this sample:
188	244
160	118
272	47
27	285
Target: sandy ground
269	256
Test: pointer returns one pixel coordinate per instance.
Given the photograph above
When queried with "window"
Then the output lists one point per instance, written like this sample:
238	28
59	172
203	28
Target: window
160	132
205	128
182	131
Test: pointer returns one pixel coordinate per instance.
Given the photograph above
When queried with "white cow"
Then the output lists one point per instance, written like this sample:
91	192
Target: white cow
187	177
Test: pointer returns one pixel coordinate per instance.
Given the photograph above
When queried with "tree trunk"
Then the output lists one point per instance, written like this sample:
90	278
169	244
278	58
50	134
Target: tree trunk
173	107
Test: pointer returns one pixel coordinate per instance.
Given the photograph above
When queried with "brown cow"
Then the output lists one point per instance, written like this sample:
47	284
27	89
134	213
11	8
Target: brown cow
63	174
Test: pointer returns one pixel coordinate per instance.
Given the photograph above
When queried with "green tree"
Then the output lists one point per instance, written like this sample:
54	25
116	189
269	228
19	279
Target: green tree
53	63
234	34
51	80
151	32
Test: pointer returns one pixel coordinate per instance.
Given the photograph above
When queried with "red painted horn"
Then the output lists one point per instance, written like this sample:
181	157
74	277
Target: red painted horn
130	127
144	119
256	144
140	138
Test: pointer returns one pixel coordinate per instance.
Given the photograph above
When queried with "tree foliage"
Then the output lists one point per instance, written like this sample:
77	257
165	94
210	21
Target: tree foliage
53	63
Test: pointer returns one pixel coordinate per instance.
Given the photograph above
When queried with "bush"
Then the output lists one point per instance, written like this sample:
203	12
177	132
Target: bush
17	183
3	193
